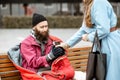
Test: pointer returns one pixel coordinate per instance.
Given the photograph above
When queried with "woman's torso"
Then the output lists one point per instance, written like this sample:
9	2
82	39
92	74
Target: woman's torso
110	13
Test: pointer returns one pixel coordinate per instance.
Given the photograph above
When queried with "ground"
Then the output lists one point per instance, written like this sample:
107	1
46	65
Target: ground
11	37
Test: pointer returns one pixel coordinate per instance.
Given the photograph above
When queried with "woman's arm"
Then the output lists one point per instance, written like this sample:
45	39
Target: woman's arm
76	37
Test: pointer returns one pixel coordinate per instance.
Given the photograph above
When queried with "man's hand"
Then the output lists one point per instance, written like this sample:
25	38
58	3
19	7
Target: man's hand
55	53
58	51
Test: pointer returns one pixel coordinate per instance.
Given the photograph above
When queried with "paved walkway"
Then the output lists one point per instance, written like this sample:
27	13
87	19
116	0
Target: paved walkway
11	37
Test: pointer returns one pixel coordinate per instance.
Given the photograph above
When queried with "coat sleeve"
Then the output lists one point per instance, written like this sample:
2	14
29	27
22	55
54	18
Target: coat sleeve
76	37
99	13
29	54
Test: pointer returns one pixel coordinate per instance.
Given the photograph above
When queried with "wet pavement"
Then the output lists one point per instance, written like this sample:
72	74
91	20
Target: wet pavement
11	37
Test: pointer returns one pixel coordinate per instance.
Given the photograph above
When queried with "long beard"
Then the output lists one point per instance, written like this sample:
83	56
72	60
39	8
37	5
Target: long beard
40	37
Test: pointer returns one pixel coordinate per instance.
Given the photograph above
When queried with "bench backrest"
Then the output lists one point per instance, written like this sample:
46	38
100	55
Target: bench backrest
7	69
78	58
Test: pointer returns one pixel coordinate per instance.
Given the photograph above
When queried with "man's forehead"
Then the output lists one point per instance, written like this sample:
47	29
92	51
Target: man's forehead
43	23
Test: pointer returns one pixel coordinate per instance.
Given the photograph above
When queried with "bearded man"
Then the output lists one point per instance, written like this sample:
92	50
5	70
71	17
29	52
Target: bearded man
38	50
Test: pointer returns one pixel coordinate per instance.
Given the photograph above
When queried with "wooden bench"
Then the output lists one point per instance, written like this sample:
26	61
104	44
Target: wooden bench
7	69
77	56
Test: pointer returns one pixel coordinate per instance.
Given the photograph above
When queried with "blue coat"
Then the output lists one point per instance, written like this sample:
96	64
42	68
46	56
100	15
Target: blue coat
104	18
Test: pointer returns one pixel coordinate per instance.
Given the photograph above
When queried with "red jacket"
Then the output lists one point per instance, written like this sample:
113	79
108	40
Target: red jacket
31	53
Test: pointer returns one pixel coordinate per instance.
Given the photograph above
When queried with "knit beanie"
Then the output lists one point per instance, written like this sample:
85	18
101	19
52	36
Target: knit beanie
37	18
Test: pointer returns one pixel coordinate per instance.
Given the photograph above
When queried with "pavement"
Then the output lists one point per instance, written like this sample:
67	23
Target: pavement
11	37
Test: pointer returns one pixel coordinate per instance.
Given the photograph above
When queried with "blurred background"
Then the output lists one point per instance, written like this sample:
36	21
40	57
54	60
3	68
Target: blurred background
64	17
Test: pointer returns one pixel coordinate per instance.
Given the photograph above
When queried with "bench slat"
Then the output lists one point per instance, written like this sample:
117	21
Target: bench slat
6	65
4	61
12	78
2	56
81	69
7	69
79	61
78	57
9	73
79	49
78	53
78	65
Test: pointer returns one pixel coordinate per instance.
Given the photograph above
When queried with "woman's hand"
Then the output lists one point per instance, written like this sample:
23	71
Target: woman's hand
85	37
64	45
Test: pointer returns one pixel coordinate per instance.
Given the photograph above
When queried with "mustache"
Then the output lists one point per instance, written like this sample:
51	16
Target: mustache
40	37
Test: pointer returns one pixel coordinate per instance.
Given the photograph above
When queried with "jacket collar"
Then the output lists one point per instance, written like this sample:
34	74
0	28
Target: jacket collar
35	42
